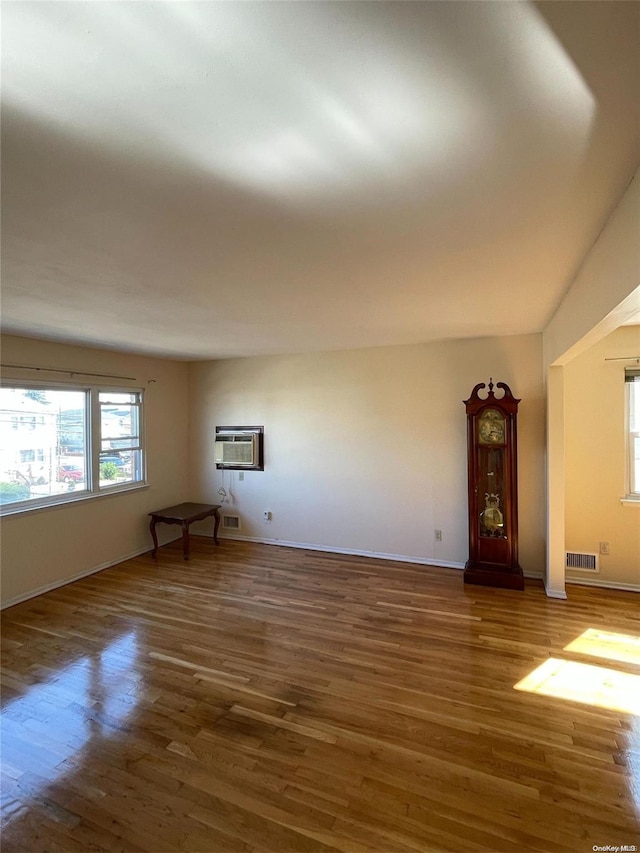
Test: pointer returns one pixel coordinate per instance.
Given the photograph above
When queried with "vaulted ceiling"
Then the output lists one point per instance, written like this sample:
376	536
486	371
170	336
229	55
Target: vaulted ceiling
211	179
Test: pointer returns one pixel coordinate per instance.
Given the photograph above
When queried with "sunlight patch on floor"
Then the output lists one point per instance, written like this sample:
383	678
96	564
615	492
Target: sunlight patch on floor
582	682
605	644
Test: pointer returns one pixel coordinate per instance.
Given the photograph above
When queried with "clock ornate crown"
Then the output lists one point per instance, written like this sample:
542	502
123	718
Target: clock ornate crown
490	395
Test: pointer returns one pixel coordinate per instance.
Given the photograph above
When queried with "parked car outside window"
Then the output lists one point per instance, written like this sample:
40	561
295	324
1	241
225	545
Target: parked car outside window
70	473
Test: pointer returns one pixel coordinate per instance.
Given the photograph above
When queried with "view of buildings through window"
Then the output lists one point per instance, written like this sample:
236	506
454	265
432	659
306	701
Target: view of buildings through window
54	442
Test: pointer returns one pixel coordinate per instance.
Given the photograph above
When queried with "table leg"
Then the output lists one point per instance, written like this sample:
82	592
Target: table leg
185	539
152	528
216	525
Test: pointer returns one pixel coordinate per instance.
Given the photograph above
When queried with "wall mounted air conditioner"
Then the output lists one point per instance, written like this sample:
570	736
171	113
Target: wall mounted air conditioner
239	448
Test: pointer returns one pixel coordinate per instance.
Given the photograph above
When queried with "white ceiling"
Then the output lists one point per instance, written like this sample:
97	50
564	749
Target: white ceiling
211	179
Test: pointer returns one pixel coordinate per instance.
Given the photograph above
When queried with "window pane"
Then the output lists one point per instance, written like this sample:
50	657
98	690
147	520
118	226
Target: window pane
118	425
118	398
635	464
120	453
42	443
634	406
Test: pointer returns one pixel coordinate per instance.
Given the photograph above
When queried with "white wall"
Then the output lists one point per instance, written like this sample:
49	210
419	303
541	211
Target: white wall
48	547
365	450
604	294
608	277
595	460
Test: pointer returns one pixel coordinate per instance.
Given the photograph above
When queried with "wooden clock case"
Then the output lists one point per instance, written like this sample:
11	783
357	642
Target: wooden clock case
492	453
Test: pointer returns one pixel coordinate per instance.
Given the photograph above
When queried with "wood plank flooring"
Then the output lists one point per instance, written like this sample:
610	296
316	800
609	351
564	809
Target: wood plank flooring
260	698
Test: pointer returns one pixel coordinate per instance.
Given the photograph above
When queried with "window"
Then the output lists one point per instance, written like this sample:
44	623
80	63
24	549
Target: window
63	443
120	448
632	384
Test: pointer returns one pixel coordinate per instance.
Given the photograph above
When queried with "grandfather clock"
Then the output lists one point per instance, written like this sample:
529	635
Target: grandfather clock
493	489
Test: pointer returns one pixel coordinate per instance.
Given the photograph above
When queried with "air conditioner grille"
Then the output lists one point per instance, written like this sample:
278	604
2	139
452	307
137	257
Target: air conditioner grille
237	453
582	562
231	522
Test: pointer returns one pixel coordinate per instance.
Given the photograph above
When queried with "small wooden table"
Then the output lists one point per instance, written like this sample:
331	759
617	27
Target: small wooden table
184	515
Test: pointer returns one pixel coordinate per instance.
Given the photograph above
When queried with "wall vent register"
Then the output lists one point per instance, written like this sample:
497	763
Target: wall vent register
582	562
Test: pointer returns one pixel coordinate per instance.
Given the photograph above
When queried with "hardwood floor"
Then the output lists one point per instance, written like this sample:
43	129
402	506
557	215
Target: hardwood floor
261	698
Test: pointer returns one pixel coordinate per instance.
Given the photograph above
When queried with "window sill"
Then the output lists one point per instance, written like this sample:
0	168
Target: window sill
630	501
8	510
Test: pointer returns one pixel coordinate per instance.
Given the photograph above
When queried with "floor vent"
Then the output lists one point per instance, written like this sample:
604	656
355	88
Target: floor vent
231	522
582	562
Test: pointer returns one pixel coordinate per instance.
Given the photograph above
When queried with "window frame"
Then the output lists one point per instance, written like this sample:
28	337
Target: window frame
131	448
632	484
92	445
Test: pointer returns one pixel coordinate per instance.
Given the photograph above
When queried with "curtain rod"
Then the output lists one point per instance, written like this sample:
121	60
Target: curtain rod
625	358
69	372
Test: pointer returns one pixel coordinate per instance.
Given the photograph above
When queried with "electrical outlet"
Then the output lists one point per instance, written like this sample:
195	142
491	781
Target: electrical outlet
438	535
266	515
604	548
240	475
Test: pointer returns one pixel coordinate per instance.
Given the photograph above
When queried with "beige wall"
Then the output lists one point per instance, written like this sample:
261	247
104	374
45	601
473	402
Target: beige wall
48	547
604	294
366	450
595	461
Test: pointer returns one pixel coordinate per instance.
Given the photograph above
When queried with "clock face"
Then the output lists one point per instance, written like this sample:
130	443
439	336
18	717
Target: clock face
491	427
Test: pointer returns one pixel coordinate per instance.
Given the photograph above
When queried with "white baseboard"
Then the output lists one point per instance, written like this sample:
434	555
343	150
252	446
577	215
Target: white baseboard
83	574
625	587
355	552
380	555
401	558
555	593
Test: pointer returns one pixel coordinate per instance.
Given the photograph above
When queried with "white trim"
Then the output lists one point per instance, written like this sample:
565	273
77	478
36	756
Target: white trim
625	587
630	501
400	558
330	549
78	576
555	593
556	480
11	510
